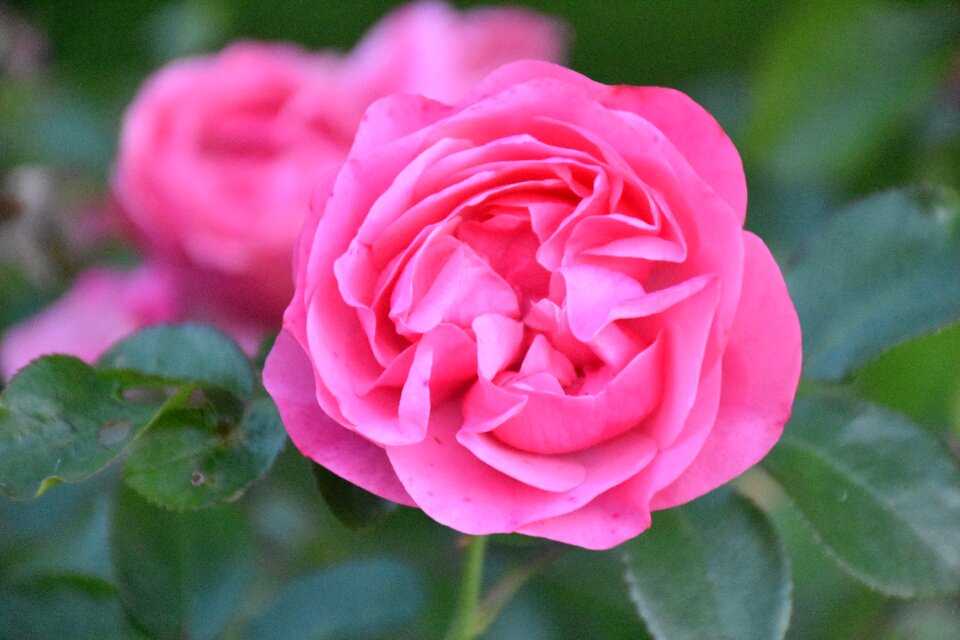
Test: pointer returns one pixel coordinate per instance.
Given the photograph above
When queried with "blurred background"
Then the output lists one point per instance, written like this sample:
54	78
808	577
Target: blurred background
827	100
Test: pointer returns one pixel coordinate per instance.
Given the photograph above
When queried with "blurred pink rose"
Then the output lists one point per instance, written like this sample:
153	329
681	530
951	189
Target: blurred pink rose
429	49
102	307
536	311
218	154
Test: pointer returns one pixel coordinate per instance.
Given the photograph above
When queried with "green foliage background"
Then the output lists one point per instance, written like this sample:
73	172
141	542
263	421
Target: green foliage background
830	103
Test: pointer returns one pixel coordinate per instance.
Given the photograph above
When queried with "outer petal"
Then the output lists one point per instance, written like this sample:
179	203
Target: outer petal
694	132
761	369
453	486
605	522
288	377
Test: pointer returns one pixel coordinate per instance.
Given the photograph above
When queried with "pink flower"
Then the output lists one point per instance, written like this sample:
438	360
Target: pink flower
102	307
218	154
536	311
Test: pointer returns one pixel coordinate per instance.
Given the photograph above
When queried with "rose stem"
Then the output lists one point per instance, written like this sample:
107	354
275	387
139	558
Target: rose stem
464	625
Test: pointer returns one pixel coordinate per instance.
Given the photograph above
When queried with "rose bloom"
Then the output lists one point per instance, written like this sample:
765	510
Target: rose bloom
218	154
536	311
102	307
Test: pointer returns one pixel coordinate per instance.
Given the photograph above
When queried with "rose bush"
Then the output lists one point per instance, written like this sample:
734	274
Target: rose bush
536	311
218	154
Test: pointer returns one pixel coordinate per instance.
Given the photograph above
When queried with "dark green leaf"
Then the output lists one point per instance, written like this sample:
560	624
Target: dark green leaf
714	568
878	491
61	532
356	508
184	352
360	598
180	575
197	457
62	607
884	271
60	421
19	297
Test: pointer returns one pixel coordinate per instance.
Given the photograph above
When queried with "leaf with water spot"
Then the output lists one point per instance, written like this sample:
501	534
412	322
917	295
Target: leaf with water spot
198	456
61	421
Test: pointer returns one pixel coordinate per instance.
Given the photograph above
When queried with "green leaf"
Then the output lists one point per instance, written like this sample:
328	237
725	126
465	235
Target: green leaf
878	491
354	507
839	76
180	575
883	272
920	379
184	352
60	421
196	457
714	568
62	607
356	599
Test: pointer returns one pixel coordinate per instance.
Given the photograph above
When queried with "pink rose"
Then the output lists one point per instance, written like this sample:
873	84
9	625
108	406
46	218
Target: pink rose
536	311
218	154
102	307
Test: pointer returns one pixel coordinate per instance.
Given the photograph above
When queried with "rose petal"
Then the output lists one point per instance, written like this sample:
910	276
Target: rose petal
603	523
557	423
761	369
287	377
455	488
498	340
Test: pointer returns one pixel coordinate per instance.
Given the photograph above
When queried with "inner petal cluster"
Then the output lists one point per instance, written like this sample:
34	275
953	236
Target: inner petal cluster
522	278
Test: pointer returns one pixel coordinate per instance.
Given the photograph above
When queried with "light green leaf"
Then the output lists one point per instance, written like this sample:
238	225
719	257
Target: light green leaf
184	352
61	421
714	568
920	379
878	491
196	457
180	575
839	76
356	599
883	272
